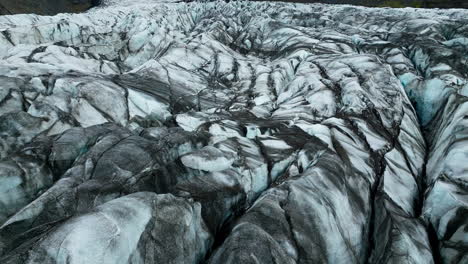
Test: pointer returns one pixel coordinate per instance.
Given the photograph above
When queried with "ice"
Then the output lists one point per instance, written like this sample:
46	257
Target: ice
144	105
191	121
276	144
208	159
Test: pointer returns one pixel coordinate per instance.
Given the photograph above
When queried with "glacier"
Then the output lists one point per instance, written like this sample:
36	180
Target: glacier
234	132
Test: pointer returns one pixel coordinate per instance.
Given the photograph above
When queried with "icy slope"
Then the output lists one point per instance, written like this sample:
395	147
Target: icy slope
245	132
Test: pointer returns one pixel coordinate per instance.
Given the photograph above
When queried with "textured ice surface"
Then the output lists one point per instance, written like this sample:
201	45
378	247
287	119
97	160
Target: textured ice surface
241	132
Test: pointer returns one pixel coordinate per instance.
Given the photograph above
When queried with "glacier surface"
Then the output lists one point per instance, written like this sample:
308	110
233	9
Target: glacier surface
241	132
